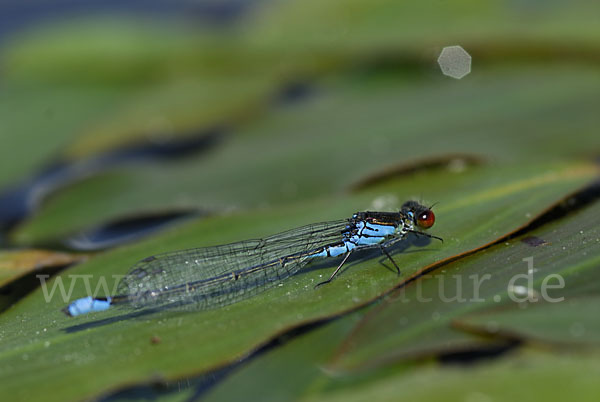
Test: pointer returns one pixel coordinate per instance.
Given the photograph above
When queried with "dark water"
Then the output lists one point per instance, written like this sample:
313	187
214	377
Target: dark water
18	15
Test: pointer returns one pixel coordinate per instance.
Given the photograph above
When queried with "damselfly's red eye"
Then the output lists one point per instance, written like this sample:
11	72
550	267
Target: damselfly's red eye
426	219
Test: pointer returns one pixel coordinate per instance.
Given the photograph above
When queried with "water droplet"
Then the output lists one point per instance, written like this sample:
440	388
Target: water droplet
519	290
454	62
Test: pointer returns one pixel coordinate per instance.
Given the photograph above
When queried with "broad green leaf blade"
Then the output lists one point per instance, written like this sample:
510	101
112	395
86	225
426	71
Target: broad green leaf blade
525	376
104	50
418	317
483	203
78	89
37	122
336	29
289	371
571	322
175	109
268	376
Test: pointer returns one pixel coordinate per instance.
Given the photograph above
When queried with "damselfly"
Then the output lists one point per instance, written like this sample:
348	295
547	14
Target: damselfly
214	276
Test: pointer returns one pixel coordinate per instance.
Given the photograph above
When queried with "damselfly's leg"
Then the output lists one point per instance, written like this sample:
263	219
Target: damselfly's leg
426	235
336	270
384	251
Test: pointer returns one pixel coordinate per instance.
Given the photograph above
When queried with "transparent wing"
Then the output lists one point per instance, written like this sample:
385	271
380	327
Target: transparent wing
213	276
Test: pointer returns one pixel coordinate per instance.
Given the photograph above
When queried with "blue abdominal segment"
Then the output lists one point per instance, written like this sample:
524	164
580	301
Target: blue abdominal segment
87	305
334	251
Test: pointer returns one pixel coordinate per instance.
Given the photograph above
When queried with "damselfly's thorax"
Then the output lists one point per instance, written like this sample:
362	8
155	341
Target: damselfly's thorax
380	218
410	215
379	224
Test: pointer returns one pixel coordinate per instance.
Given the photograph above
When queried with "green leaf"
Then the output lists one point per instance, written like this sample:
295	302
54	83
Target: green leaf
526	376
338	28
106	51
418	318
36	123
78	89
572	321
305	356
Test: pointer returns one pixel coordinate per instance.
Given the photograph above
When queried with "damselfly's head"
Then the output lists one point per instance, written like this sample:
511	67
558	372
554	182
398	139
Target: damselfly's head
422	216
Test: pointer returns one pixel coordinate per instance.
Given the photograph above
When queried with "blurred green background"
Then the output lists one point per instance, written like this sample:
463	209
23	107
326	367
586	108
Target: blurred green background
130	128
